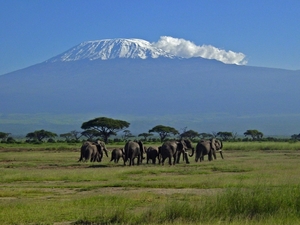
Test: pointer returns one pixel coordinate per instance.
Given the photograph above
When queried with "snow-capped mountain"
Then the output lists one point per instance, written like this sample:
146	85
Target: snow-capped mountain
111	49
202	94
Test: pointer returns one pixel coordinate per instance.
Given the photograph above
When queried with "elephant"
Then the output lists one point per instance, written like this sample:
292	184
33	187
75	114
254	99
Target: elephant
152	153
134	149
116	154
188	145
89	151
171	149
208	147
92	151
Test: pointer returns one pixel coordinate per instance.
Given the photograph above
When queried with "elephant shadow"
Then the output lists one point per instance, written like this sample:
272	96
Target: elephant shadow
98	166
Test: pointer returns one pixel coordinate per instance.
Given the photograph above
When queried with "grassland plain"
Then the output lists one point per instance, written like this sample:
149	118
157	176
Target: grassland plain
255	183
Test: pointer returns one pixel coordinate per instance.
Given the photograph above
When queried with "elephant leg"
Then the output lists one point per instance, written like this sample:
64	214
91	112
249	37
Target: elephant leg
163	161
221	154
170	161
174	159
186	158
210	156
138	159
215	155
197	158
178	157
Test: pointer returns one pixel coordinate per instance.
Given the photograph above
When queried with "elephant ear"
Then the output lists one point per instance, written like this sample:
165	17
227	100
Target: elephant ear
141	146
99	148
184	145
213	144
188	143
180	146
220	144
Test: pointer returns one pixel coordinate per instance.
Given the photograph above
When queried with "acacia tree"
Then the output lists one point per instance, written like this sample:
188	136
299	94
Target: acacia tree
105	126
164	131
255	134
40	135
67	136
76	134
72	135
295	137
145	136
127	134
90	134
225	135
205	135
3	135
191	134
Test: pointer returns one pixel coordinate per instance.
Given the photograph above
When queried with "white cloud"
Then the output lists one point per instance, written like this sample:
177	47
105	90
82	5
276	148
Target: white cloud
187	49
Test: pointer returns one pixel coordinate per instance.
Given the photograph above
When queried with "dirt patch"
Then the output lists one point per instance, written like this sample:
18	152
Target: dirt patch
163	191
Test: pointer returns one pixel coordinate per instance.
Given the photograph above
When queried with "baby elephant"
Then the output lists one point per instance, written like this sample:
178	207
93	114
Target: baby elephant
153	154
116	154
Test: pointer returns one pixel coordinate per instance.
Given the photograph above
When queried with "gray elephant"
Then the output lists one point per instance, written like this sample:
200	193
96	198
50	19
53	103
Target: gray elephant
208	147
188	145
152	154
171	149
92	151
88	151
116	154
134	150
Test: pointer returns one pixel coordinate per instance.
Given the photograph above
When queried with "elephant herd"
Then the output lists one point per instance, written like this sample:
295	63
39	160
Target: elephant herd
133	151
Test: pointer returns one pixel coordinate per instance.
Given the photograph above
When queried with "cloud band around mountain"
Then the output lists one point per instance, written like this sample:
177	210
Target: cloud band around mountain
187	49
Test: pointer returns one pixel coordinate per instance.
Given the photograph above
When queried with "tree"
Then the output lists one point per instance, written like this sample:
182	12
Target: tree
225	135
190	134
72	135
255	134
90	134
205	136
145	136
127	134
105	126
163	131
295	137
76	134
67	136
40	135
3	135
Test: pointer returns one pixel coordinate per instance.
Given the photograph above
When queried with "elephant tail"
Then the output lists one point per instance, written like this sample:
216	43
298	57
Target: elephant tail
126	151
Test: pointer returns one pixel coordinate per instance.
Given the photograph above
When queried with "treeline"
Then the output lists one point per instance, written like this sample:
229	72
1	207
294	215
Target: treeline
111	130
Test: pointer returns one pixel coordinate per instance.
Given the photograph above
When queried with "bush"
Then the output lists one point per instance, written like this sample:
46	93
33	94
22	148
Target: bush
51	140
10	140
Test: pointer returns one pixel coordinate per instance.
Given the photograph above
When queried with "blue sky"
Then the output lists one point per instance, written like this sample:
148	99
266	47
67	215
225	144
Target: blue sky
267	32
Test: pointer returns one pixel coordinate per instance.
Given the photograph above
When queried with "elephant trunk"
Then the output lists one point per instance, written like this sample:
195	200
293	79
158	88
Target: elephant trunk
105	150
193	150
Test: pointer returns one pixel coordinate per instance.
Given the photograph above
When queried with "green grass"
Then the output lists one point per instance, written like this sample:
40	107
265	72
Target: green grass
254	186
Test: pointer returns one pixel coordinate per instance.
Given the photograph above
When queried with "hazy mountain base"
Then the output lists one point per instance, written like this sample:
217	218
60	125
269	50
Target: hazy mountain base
286	125
203	95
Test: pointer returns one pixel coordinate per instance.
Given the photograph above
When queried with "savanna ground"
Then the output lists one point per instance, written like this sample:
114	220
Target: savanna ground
255	183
